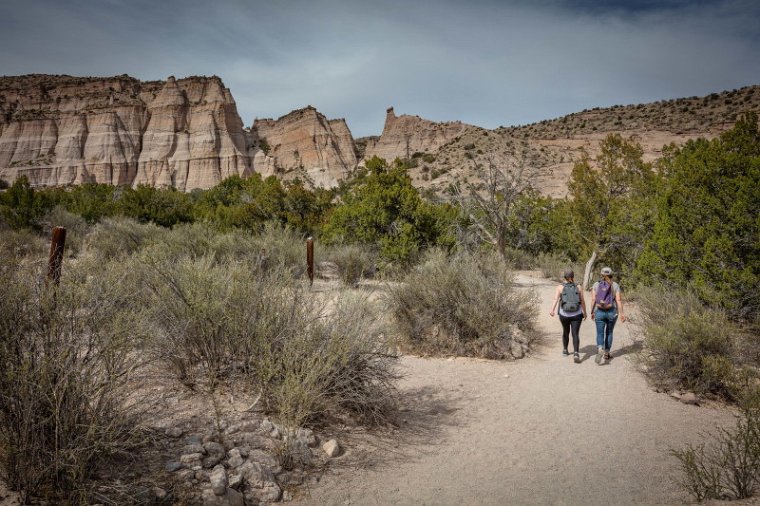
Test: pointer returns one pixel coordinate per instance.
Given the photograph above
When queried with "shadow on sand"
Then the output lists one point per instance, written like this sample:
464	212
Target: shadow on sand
424	414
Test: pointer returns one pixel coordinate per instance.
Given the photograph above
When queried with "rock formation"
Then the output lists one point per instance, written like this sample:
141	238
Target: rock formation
405	135
186	133
303	144
59	130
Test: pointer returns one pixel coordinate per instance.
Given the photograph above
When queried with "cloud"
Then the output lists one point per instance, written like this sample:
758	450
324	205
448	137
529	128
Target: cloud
485	62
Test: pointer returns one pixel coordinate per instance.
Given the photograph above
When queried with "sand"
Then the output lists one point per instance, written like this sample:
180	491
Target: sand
542	430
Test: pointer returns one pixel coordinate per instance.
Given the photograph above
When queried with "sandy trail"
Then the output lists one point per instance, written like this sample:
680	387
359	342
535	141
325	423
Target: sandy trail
542	430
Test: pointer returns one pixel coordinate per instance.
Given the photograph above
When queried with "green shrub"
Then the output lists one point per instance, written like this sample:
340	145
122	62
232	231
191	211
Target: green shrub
163	206
21	206
705	229
691	346
384	210
465	305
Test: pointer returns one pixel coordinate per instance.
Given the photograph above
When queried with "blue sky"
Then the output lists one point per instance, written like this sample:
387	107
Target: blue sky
485	62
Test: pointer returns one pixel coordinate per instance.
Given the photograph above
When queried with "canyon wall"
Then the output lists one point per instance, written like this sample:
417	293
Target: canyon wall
303	144
60	130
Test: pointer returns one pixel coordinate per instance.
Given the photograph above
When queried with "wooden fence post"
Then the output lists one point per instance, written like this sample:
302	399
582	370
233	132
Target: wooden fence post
56	255
310	260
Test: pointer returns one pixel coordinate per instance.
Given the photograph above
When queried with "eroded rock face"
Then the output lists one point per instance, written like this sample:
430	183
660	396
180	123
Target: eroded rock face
59	130
305	144
405	135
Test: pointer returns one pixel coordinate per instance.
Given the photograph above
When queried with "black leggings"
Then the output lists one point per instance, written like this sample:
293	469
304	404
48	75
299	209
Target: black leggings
569	322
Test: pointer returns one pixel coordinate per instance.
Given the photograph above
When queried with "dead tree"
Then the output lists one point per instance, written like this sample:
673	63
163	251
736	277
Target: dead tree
489	207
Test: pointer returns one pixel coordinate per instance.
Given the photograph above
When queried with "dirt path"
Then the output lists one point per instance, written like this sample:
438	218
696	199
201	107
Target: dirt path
542	430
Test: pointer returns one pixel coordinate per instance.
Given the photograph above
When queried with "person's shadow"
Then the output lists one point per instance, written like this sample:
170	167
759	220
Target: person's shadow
634	347
589	351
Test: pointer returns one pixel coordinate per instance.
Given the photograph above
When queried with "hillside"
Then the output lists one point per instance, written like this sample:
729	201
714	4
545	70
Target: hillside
552	146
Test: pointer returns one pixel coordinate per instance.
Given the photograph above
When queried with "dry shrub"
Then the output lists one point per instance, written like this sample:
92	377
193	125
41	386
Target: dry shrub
280	247
694	347
552	266
76	229
338	363
206	313
226	323
120	237
15	245
67	362
519	259
465	305
275	248
727	468
355	262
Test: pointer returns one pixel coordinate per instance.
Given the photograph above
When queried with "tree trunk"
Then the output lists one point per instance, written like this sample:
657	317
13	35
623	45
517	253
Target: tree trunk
589	271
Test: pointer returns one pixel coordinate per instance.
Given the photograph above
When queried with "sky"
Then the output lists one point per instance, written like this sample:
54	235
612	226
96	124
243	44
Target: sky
485	62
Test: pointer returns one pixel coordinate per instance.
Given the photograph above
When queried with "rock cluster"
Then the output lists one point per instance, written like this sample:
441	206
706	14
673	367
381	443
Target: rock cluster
243	469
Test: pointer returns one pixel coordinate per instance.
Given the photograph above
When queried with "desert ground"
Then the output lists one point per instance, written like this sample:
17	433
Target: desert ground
541	430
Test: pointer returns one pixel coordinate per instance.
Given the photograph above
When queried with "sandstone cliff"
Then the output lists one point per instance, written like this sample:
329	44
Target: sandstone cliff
304	144
59	130
405	135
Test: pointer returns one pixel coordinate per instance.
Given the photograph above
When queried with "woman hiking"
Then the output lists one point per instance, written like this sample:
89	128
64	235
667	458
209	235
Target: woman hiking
607	307
572	311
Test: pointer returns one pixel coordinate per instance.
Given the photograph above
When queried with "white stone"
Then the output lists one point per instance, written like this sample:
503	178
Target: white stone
331	448
191	459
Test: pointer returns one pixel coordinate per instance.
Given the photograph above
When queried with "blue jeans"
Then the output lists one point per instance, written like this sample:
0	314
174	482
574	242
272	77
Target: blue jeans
605	322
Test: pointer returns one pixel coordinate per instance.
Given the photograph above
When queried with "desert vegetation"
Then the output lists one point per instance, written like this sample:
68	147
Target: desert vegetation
464	305
215	312
209	288
727	466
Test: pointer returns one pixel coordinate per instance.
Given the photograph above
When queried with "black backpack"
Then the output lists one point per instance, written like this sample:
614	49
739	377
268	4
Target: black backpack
571	299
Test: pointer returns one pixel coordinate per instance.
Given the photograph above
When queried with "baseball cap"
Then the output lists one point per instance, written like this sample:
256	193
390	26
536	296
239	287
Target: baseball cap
568	274
606	271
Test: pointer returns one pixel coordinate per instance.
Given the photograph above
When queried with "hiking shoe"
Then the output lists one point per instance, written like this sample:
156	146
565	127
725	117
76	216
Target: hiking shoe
577	357
607	356
565	353
598	358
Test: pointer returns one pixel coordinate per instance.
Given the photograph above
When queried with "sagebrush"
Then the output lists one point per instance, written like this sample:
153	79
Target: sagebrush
728	466
68	368
692	346
226	323
465	305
